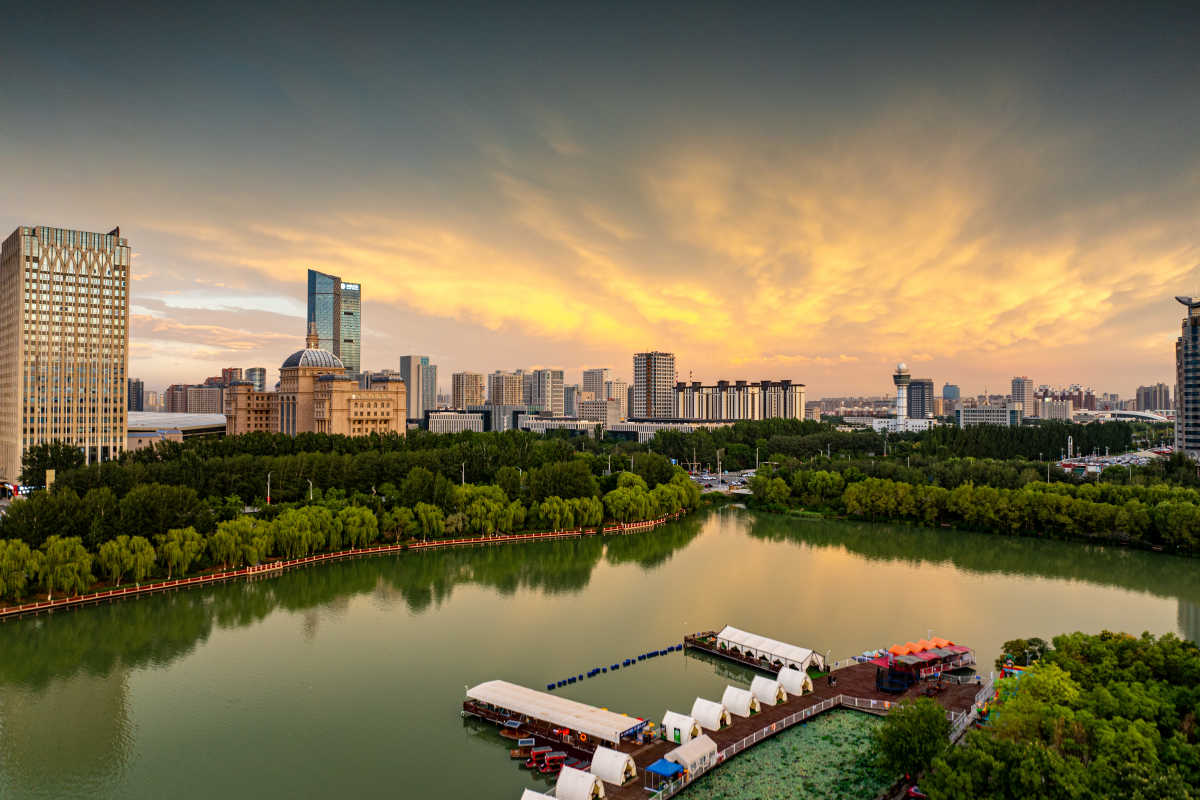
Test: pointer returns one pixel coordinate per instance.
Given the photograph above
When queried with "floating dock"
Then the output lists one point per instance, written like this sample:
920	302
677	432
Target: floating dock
855	687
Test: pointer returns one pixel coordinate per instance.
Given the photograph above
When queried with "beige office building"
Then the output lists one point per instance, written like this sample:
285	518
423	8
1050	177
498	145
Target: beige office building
64	329
467	389
317	396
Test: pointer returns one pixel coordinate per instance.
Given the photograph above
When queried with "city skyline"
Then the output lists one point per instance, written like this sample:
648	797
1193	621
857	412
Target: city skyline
540	205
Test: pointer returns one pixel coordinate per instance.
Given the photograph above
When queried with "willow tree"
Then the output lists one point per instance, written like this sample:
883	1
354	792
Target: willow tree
66	565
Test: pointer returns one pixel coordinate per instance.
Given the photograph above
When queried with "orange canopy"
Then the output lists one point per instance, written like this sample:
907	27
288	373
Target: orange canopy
908	648
940	642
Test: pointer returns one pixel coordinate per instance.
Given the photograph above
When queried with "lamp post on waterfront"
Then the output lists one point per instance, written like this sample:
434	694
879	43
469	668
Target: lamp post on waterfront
464	473
268	488
310	489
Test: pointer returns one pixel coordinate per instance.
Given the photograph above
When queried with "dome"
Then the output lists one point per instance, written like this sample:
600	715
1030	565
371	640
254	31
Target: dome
313	357
902	367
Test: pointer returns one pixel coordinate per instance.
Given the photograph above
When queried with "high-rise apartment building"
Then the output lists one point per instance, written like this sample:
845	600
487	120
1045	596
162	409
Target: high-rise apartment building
152	401
175	398
1022	392
136	395
1187	380
1153	398
205	400
335	308
504	389
467	389
730	400
618	390
571	395
420	381
593	383
546	395
64	329
920	398
653	393
258	378
230	374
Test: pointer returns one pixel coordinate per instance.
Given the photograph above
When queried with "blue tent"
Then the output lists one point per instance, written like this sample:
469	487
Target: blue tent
667	769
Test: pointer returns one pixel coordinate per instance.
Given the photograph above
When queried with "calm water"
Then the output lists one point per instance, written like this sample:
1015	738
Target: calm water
345	680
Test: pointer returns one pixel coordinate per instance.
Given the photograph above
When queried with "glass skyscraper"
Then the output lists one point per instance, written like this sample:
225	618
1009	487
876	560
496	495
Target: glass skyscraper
336	309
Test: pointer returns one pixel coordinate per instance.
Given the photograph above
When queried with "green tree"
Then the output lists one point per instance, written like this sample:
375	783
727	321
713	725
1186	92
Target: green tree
18	564
143	558
911	736
556	513
115	558
430	520
399	522
178	548
57	455
67	565
360	525
224	548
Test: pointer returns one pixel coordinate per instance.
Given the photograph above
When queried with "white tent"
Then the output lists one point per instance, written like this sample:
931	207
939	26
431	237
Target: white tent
613	766
530	794
695	756
679	728
574	784
753	645
740	702
604	726
767	691
710	715
796	681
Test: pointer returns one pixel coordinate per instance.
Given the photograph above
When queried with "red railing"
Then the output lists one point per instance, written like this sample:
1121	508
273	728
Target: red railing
278	566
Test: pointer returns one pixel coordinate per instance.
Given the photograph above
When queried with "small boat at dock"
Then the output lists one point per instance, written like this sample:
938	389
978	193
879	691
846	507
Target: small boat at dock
523	749
512	730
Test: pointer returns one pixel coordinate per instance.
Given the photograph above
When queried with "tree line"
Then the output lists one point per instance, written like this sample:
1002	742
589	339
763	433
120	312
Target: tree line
1097	716
61	545
1153	516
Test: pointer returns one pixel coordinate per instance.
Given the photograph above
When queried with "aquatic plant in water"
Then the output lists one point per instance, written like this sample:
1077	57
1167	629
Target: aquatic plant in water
828	757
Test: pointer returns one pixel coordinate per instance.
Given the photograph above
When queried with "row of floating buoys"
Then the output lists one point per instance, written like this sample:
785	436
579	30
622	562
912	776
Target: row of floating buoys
629	662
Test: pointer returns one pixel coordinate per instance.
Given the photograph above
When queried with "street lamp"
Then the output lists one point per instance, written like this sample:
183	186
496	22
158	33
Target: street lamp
310	489
268	488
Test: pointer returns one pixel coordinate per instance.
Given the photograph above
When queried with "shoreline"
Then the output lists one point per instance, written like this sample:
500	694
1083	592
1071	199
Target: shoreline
279	567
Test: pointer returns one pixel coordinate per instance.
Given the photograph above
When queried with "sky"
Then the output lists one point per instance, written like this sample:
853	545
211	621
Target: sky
812	192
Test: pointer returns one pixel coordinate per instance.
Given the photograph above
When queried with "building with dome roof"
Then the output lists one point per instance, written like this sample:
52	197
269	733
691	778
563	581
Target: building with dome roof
316	395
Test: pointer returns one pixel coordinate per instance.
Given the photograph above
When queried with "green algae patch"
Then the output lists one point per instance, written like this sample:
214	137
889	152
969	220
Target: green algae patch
828	757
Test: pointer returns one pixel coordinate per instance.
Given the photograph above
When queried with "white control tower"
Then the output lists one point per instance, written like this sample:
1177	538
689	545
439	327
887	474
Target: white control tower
901	378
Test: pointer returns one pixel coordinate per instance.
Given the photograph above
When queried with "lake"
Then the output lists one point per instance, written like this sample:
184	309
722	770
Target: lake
346	679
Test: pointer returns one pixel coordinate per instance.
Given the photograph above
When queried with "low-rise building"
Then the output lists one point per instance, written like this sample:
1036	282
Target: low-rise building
1007	414
316	395
454	421
606	412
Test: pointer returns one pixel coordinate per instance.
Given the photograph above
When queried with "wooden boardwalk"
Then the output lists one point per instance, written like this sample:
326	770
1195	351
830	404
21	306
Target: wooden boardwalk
855	688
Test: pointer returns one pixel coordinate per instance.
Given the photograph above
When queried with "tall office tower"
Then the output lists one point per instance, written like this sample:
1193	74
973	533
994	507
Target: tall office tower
920	398
571	394
64	330
1187	381
153	401
258	378
594	380
429	386
504	389
230	374
526	385
336	309
420	383
618	390
901	378
137	395
653	394
350	348
467	389
951	394
547	391
1022	392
